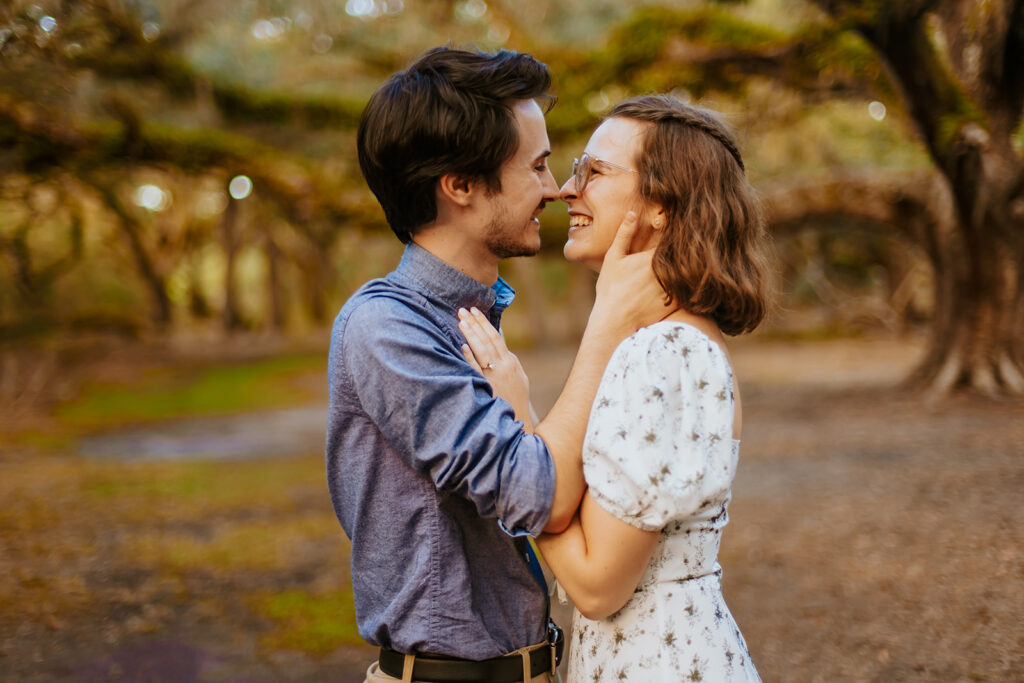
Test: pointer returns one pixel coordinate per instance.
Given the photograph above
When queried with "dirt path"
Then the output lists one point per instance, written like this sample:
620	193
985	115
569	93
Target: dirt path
266	434
873	540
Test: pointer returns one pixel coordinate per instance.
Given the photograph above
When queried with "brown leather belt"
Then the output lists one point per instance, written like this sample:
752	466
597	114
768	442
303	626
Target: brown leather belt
436	669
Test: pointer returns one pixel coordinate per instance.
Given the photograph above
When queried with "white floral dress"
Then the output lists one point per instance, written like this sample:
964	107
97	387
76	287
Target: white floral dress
659	455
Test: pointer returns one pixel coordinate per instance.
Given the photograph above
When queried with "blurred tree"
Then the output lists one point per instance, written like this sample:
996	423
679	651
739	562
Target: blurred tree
123	121
97	95
960	68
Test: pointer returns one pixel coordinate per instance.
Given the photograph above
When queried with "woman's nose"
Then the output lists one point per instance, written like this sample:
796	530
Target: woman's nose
568	190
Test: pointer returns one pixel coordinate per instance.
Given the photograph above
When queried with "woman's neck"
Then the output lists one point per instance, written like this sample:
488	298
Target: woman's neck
701	322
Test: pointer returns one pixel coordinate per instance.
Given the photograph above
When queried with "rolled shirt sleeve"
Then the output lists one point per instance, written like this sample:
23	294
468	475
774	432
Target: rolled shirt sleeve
441	418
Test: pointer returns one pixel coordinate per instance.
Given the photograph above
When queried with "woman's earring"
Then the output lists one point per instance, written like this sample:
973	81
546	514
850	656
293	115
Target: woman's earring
658	224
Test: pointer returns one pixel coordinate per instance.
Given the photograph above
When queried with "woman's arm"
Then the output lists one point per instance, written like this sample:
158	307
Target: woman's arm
599	559
628	297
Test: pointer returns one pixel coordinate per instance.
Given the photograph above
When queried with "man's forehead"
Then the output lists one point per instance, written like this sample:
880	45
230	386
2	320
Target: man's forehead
533	131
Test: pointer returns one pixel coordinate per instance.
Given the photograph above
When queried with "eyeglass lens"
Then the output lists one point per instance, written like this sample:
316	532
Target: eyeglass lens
581	172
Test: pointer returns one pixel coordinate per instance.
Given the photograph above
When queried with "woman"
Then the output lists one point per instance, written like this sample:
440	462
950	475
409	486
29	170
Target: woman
640	558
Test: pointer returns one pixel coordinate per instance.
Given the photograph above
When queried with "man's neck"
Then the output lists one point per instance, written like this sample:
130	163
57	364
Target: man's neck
475	260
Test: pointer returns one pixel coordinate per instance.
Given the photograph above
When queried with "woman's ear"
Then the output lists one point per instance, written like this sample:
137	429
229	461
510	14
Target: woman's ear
456	189
658	220
649	232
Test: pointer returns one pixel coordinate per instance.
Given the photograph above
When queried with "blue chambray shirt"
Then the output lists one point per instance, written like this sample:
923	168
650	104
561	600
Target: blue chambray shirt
427	470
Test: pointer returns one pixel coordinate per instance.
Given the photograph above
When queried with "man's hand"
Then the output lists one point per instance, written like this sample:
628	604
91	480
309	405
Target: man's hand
628	294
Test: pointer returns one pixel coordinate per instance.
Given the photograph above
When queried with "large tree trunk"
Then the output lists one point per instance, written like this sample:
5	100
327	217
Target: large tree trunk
965	113
976	330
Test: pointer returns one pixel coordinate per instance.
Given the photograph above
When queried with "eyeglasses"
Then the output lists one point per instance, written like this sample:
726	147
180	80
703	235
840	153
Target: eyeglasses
581	169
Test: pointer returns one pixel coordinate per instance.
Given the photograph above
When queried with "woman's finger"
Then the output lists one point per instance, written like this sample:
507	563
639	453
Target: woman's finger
624	236
495	338
476	339
467	353
476	336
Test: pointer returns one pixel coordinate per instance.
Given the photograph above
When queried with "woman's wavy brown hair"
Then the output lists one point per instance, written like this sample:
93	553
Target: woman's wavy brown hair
711	255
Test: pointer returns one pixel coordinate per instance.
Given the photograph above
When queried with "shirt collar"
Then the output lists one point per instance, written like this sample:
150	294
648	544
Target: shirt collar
449	284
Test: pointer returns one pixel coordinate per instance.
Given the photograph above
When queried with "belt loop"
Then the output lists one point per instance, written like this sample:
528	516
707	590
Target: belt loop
407	668
527	675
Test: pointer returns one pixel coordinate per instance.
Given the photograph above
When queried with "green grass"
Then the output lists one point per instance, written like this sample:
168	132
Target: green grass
187	392
211	484
313	623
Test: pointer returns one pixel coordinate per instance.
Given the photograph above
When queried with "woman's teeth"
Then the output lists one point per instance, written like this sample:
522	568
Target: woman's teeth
579	221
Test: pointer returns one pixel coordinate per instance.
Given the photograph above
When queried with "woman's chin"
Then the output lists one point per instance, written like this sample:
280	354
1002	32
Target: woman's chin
571	252
574	253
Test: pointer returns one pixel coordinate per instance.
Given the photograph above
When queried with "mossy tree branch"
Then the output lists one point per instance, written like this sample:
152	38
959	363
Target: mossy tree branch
710	50
44	139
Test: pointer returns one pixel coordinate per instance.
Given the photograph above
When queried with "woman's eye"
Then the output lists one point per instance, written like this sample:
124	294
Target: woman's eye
540	168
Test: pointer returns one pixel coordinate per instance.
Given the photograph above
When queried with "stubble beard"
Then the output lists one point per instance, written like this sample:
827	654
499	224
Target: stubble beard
505	240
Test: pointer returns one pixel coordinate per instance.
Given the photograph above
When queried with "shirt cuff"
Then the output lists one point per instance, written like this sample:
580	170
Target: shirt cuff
529	489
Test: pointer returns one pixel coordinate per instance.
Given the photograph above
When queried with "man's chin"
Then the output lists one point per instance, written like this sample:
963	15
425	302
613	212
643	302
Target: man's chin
513	253
503	249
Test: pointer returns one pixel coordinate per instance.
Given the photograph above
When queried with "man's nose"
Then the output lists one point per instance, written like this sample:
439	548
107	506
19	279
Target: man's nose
550	187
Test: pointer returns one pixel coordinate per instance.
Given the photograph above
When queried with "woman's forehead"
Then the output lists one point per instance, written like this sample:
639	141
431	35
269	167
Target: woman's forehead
617	140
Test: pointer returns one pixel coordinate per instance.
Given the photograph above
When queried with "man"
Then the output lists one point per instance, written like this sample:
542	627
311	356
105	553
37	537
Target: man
433	479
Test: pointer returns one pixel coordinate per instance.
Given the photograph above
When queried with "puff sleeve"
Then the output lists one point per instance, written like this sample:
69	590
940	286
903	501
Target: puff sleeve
659	444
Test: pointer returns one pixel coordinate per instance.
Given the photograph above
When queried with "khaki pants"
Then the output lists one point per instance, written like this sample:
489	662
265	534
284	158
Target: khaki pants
375	675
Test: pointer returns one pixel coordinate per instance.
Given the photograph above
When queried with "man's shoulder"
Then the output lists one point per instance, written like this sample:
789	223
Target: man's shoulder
378	305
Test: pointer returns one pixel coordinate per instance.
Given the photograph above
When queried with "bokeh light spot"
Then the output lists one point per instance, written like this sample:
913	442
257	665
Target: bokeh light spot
322	44
304	20
152	198
263	30
150	31
240	187
361	8
598	102
876	110
48	24
498	34
473	9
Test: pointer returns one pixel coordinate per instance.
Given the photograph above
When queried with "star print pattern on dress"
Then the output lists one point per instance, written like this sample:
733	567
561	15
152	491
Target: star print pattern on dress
659	455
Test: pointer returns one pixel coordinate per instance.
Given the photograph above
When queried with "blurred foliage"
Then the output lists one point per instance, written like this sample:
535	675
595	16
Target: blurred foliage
123	124
124	121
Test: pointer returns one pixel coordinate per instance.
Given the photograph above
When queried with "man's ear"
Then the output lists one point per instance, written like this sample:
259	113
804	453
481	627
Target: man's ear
457	189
